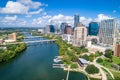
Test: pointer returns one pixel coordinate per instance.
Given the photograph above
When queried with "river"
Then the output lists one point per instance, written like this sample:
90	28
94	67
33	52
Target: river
35	63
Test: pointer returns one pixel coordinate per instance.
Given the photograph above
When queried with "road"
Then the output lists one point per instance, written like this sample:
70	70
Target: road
104	77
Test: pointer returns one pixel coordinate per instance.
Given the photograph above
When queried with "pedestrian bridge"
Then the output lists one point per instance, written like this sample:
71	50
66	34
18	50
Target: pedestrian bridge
36	41
32	37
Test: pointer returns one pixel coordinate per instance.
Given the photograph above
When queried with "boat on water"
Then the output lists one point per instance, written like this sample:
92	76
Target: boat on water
57	59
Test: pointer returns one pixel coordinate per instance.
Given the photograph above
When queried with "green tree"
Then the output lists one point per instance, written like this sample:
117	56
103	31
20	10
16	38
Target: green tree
86	57
91	57
91	69
108	54
97	53
74	65
99	60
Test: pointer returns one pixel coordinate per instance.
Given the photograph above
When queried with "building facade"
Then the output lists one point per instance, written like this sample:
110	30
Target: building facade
12	36
62	27
67	37
76	20
108	31
50	29
117	50
68	30
80	35
93	29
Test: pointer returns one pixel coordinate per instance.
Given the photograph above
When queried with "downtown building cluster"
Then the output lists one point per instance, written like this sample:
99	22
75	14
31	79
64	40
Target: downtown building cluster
97	36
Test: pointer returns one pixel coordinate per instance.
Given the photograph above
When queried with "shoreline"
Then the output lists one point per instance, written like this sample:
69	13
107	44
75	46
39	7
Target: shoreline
65	69
19	48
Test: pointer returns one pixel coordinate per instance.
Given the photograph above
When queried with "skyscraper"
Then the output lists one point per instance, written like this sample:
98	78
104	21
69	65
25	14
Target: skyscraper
80	35
50	29
93	28
62	27
108	31
76	20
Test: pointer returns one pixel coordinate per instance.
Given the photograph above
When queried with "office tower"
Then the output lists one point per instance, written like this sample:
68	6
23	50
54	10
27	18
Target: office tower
93	28
108	31
50	29
76	20
68	30
80	35
62	27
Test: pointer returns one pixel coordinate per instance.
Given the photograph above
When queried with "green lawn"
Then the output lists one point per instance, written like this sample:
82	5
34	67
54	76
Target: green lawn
116	60
106	64
116	75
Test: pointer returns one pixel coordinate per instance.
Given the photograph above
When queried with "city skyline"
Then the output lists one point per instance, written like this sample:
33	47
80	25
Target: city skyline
38	13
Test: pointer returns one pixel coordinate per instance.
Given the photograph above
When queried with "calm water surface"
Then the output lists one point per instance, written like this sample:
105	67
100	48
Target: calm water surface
35	63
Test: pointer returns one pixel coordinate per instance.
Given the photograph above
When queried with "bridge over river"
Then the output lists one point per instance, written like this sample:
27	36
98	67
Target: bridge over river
27	42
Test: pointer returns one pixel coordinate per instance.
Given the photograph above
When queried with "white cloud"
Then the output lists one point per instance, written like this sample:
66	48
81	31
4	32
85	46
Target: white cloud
36	12
30	3
8	19
14	8
48	19
22	7
57	19
11	18
13	21
85	21
102	17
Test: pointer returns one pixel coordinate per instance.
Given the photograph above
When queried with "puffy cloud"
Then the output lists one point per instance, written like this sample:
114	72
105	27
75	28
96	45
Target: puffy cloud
14	8
36	12
42	21
57	19
22	7
48	19
13	21
13	18
30	3
9	19
85	21
102	17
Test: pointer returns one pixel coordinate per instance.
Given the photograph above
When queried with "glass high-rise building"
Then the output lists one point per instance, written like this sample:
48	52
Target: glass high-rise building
107	31
76	20
62	27
93	28
50	29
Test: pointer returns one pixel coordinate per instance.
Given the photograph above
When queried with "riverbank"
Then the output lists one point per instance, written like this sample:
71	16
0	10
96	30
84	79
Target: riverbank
69	53
11	51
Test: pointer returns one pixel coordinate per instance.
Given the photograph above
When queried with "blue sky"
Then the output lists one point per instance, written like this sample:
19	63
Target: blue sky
32	13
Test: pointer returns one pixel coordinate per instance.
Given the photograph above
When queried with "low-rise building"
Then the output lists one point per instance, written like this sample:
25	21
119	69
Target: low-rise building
41	30
92	48
68	38
12	37
82	62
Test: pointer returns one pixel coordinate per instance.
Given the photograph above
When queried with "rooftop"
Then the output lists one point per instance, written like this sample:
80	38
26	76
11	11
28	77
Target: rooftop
84	61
